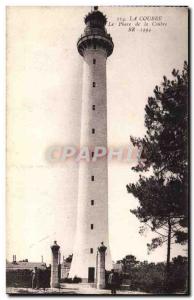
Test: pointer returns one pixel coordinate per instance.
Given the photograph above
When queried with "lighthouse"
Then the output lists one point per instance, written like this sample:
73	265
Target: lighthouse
95	45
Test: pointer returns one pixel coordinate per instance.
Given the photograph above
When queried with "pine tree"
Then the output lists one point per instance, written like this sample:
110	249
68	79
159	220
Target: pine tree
163	196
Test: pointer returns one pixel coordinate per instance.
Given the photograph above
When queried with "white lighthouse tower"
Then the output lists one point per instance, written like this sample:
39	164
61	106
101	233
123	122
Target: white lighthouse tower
95	45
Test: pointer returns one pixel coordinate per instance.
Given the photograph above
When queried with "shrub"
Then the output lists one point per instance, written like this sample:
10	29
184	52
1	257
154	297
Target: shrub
70	280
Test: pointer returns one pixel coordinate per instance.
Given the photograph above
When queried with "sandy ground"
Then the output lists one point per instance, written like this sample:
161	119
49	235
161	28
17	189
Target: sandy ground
69	289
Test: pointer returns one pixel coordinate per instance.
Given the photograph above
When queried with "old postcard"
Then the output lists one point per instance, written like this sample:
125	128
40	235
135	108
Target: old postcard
97	150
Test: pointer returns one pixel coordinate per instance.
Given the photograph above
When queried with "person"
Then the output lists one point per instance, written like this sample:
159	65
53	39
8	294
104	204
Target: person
34	277
113	281
38	274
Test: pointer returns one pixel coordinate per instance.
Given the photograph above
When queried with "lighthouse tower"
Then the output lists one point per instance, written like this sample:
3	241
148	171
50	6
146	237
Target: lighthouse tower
95	45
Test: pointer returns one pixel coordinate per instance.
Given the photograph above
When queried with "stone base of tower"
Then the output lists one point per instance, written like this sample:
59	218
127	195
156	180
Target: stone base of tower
84	267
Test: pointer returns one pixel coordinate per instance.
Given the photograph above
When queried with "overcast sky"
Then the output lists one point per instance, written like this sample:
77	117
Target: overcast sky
44	72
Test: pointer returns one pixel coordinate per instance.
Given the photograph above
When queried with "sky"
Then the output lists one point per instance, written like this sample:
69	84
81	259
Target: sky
44	72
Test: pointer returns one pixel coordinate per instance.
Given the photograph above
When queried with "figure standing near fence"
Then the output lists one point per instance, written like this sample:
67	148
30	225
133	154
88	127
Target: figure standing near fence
113	281
34	277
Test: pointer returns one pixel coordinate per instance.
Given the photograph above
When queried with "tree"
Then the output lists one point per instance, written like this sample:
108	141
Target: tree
129	262
163	196
69	258
178	273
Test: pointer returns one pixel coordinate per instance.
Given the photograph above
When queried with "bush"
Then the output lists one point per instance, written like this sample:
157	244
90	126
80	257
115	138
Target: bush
150	277
70	280
76	279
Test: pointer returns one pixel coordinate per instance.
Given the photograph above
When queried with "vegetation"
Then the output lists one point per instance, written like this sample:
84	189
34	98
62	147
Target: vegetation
71	280
163	195
150	277
69	258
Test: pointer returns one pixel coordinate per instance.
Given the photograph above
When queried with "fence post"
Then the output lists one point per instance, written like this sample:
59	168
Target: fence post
54	266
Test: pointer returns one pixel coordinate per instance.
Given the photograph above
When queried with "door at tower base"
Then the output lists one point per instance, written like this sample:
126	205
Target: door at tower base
91	275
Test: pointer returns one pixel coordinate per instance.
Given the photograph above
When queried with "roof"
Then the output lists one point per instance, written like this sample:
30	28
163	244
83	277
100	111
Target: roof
24	265
96	15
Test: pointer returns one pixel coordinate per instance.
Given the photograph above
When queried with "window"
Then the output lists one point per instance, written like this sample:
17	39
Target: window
92	153
94	83
93	130
91	250
93	107
92	178
92	202
94	61
92	226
